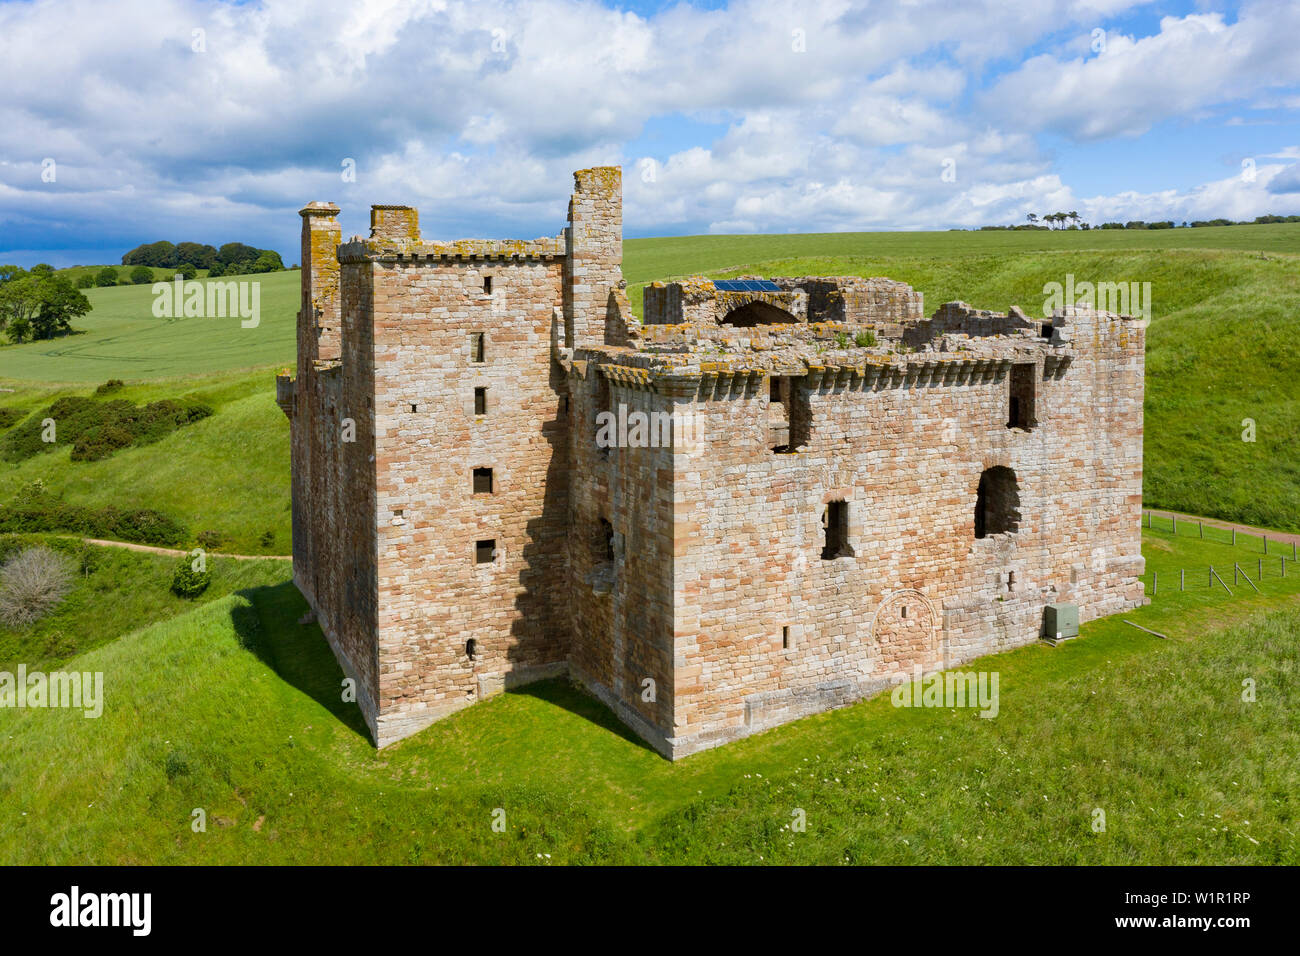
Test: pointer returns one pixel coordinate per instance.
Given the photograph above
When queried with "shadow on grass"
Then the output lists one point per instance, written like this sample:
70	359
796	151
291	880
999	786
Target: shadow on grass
565	694
268	626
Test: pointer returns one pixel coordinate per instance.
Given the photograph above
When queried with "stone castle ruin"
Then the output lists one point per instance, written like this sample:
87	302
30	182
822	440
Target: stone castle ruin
845	489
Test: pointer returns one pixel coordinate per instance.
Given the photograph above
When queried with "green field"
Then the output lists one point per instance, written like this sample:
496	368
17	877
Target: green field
121	338
235	709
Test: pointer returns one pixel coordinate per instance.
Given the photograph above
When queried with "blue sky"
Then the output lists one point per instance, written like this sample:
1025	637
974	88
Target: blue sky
214	122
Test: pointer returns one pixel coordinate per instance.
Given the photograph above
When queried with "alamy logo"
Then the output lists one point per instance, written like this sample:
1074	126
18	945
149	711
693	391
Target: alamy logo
69	690
949	690
1122	298
638	429
75	908
209	299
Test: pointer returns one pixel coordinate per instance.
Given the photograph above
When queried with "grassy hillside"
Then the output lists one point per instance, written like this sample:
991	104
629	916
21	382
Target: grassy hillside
647	259
116	591
235	709
228	473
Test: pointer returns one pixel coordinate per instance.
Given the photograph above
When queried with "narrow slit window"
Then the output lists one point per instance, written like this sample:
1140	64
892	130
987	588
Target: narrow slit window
487	285
606	543
477	347
485	552
480	401
835	521
785	637
482	481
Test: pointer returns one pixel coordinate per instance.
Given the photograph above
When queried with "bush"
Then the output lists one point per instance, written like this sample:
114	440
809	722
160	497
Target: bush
141	275
32	583
85	281
142	525
112	385
106	276
841	340
187	582
9	417
267	539
865	339
96	429
186	271
210	540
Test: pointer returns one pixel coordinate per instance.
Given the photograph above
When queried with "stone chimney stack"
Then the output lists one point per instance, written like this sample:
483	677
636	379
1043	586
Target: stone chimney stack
594	264
319	334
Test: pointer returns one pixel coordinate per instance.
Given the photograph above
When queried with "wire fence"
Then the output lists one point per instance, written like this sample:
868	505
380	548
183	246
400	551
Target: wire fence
1266	557
1196	528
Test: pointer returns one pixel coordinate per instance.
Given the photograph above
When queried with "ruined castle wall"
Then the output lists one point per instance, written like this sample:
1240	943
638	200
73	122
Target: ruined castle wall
622	607
433	595
919	588
333	486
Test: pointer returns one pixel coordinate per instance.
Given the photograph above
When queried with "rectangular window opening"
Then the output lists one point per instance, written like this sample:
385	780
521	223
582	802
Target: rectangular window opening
477	347
482	481
480	401
487	285
785	637
1021	405
485	552
835	523
789	414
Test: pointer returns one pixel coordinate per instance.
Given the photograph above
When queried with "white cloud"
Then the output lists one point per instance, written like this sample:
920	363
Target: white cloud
836	114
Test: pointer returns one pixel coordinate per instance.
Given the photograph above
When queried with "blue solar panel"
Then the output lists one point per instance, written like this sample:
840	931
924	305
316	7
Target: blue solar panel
746	285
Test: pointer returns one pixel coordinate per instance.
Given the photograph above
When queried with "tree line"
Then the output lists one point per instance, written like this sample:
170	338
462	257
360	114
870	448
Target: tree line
233	258
1059	220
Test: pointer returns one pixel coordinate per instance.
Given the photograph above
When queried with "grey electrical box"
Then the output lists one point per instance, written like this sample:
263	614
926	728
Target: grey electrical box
1060	621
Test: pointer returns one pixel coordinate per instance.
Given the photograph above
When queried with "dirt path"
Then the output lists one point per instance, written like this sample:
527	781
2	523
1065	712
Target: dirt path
1279	536
131	546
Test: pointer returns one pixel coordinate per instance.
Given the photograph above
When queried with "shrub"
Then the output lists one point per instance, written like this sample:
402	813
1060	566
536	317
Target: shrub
112	385
841	340
142	525
267	539
32	583
141	275
186	271
187	582
865	339
97	429
106	276
209	540
9	417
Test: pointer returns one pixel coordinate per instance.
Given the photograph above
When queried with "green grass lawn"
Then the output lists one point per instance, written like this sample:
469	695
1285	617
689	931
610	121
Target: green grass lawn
234	709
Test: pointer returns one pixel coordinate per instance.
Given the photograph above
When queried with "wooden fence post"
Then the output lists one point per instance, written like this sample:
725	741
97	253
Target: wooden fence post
1182	579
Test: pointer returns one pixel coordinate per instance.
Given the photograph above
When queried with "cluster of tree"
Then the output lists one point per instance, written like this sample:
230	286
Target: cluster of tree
232	259
39	304
1055	219
1058	219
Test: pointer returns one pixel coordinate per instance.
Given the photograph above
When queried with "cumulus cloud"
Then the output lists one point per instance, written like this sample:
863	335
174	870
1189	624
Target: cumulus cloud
217	121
